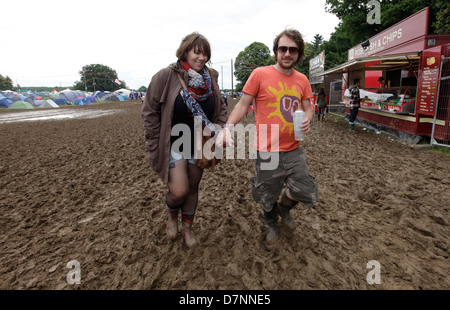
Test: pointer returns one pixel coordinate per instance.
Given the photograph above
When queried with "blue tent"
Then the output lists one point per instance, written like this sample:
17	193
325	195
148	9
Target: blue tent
82	101
98	94
18	98
71	95
6	102
60	101
93	99
30	99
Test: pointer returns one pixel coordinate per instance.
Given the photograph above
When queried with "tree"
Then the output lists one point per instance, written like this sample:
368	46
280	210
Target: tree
98	77
142	89
354	28
255	55
303	66
5	83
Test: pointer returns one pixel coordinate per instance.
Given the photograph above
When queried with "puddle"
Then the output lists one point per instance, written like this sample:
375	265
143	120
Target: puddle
34	116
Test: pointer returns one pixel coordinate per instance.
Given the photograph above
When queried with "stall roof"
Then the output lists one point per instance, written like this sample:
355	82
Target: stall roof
386	61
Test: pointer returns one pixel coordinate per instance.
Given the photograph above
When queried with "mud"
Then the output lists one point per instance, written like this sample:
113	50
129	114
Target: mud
81	189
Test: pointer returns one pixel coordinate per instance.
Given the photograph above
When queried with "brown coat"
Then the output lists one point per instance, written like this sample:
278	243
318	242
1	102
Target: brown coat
157	112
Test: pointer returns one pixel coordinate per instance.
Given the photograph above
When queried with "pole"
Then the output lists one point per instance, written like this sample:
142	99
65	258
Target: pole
232	96
221	74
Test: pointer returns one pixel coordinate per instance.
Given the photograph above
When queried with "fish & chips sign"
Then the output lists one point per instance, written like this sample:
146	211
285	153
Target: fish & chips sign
409	29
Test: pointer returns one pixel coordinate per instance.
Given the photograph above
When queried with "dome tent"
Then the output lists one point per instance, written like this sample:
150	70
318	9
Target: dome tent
6	102
49	104
21	105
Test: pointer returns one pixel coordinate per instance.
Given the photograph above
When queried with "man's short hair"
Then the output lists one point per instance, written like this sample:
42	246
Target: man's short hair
356	81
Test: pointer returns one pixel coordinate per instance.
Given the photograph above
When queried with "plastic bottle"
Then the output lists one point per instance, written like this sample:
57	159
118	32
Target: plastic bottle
299	116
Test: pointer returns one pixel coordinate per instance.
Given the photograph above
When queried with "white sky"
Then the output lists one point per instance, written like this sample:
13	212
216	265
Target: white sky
47	42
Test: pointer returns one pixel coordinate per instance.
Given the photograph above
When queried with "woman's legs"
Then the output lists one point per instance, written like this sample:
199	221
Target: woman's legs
184	180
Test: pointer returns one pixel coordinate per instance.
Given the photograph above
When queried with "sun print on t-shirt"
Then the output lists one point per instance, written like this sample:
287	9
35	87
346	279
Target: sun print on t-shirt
287	101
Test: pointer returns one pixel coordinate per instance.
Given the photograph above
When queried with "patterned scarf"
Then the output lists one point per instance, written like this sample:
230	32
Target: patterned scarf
200	90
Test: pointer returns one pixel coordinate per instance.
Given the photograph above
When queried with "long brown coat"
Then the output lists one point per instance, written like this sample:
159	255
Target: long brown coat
157	112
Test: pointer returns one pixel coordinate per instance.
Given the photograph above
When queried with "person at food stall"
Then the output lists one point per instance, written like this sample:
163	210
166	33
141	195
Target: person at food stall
321	103
382	82
355	102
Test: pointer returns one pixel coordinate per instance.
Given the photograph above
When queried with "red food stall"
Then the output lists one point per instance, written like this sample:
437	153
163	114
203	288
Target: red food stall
414	65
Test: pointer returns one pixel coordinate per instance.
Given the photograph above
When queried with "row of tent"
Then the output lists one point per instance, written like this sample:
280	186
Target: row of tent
55	99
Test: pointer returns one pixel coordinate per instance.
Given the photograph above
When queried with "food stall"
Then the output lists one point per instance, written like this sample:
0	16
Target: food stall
410	61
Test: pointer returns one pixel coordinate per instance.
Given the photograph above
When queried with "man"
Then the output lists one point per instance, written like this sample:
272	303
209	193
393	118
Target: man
277	92
355	101
382	82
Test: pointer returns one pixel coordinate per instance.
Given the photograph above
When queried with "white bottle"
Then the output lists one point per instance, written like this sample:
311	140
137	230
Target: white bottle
299	116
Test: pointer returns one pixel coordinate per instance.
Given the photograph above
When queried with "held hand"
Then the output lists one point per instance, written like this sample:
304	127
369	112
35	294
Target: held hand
224	138
306	125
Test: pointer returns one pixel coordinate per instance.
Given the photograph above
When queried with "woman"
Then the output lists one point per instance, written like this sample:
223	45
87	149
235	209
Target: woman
165	106
321	103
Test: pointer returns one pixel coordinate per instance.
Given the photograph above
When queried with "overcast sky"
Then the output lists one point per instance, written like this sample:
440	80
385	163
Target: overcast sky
47	42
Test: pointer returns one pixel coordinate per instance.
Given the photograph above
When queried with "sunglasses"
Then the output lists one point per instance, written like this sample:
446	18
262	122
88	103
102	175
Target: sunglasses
292	50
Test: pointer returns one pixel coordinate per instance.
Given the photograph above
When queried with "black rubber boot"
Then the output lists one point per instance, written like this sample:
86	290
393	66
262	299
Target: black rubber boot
284	208
272	224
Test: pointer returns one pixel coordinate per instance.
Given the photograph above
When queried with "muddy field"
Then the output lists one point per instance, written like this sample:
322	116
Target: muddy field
80	189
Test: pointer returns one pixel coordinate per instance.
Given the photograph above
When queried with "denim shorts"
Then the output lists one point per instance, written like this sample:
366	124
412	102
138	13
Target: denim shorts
290	169
175	156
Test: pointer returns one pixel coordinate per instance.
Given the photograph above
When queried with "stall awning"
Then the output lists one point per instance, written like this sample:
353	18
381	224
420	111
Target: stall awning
385	61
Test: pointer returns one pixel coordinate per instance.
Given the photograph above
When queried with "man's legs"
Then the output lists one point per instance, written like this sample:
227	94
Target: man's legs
266	188
301	186
352	118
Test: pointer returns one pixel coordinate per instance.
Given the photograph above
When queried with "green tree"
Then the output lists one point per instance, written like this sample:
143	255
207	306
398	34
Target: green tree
354	28
303	66
98	77
142	89
255	55
6	83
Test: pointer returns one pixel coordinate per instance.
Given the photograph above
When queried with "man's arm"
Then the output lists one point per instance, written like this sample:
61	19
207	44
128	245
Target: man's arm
224	136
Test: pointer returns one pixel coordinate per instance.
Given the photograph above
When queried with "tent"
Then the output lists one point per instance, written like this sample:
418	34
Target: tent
38	103
71	95
98	94
21	105
124	92
49	104
18	98
82	101
111	97
6	102
30	100
93	99
122	97
60	101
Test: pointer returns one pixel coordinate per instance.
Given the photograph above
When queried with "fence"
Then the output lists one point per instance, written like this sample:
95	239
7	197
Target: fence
334	99
440	134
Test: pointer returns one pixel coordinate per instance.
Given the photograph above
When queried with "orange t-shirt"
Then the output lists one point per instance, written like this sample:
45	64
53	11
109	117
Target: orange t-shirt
277	96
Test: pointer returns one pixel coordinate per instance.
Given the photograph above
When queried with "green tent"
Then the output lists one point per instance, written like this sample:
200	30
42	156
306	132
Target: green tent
21	105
